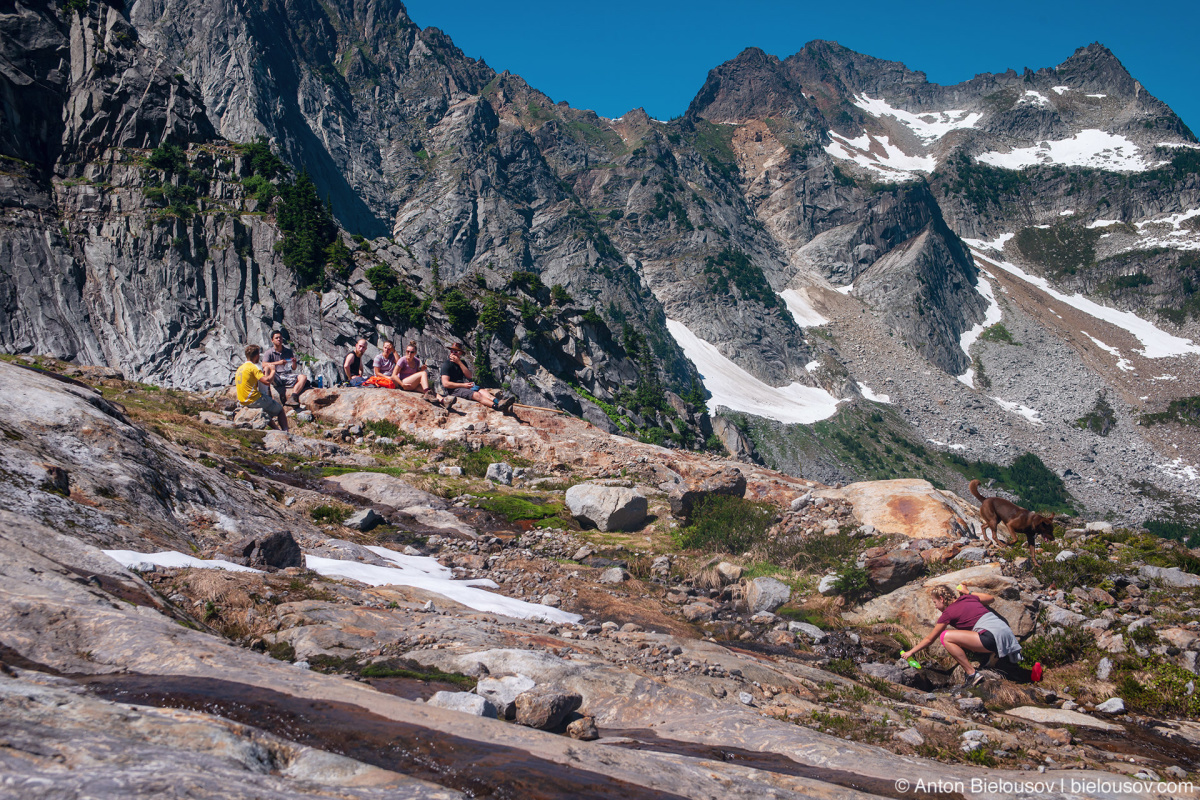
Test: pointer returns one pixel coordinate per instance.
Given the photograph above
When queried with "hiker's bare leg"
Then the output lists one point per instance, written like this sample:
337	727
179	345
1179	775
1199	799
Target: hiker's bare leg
958	642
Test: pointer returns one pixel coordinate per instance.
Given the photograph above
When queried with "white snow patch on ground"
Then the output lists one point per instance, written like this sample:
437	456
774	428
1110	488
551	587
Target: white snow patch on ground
951	446
1106	348
990	318
1178	469
802	310
894	164
172	559
1031	414
1034	98
738	390
929	127
1104	223
1125	365
422	572
847	289
1191	145
1090	148
1165	378
870	395
812	366
1098	96
1060	89
1067	213
1174	220
1156	343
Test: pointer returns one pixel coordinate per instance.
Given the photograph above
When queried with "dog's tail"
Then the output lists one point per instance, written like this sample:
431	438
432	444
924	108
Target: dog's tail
974	487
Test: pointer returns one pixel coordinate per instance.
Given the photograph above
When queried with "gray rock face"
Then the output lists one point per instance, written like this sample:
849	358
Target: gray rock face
608	508
464	702
502	692
766	594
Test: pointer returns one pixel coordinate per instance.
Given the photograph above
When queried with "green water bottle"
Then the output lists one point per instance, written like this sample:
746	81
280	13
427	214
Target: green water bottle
912	662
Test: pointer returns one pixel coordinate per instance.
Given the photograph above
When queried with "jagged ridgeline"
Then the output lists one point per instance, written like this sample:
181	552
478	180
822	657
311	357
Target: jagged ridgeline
182	178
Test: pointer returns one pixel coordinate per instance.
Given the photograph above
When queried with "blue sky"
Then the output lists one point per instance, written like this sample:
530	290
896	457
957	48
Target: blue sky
617	55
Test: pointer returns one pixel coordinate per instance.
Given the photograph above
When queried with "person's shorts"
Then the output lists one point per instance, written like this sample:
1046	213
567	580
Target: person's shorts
267	404
463	393
987	640
286	381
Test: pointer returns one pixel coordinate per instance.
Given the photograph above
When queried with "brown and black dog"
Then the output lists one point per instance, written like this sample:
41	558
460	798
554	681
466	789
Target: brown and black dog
995	510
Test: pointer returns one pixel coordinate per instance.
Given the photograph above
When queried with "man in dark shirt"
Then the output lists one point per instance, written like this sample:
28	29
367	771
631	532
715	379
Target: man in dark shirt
353	363
457	379
286	377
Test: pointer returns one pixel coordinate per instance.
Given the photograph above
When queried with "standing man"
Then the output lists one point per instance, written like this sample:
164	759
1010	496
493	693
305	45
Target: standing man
353	363
457	380
251	382
284	361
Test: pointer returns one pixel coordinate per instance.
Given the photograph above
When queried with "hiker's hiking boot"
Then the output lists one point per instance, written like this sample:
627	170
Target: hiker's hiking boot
506	401
969	682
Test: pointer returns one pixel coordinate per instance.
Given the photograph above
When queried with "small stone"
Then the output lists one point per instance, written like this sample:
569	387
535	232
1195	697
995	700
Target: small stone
697	612
451	471
971	554
808	629
1064	555
826	586
582	553
500	472
583	729
730	573
1113	705
910	736
801	502
766	594
1100	526
763	618
463	702
364	520
970	704
552	600
613	575
1054	737
1104	668
633	627
745	698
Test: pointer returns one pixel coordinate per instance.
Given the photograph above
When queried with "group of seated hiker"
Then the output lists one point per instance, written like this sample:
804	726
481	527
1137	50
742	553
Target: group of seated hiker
387	370
407	372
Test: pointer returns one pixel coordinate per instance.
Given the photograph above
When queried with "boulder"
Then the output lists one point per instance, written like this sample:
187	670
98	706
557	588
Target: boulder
502	692
1170	576
545	709
1062	617
1111	642
1114	705
889	572
583	729
893	673
254	418
384	490
500	472
826	586
364	520
1104	668
910	736
278	442
729	482
217	420
766	594
697	612
276	549
912	607
971	554
1100	526
939	555
463	702
1064	555
811	631
607	508
910	507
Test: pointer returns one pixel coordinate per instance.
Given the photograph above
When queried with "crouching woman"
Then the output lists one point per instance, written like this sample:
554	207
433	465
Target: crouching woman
968	623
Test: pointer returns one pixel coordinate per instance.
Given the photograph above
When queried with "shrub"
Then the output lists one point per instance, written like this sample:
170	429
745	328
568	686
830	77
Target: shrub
1160	688
998	333
459	310
1059	648
398	303
559	295
262	161
383	427
169	158
1185	411
475	464
491	317
333	515
851	582
1100	420
1063	248
1084	569
727	524
260	189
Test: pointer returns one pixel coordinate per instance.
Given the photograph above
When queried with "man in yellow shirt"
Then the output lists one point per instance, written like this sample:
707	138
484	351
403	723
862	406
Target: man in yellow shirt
251	384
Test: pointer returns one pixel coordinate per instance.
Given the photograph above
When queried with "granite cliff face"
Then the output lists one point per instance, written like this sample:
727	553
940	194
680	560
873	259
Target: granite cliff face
803	218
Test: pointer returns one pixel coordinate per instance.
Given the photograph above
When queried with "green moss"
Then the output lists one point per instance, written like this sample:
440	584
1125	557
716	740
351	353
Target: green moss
515	507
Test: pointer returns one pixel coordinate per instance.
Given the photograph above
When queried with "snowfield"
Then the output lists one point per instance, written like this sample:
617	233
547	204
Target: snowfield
801	309
894	164
1031	414
990	318
419	572
870	395
929	127
1090	148
1156	343
738	390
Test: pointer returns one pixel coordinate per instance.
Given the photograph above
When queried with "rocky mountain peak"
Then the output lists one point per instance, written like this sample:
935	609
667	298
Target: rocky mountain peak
1096	68
752	85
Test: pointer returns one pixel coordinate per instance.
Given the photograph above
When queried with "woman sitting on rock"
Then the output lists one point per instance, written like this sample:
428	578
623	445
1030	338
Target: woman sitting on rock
413	376
967	623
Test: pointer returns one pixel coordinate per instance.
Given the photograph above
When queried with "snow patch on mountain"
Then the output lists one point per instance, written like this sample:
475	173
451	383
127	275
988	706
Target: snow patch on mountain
893	163
1089	148
1031	414
1156	343
1060	89
929	126
173	560
990	318
802	309
1123	364
1103	223
1180	470
1034	98
737	390
870	395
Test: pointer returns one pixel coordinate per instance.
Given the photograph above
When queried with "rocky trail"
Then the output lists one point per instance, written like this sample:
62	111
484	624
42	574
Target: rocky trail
400	601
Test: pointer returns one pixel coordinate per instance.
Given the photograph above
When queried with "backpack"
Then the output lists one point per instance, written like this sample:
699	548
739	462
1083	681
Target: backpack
381	382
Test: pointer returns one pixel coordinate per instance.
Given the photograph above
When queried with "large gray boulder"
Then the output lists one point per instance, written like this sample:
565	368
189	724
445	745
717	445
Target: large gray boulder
1170	576
608	508
464	702
545	709
276	549
502	692
766	594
